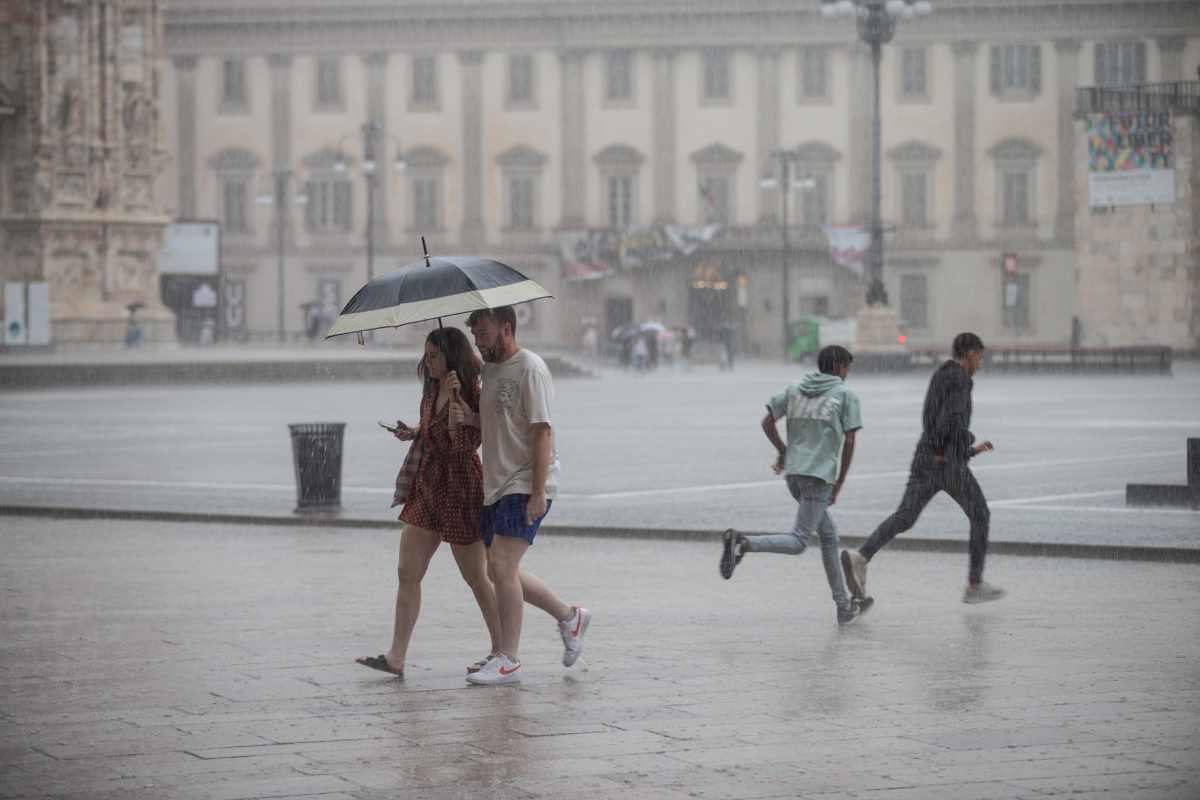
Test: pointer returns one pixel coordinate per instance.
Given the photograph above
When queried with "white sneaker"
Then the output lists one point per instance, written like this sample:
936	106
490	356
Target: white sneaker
982	592
500	670
572	631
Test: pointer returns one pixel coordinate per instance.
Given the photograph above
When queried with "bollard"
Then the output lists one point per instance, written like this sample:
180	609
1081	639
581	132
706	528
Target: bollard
1193	462
317	454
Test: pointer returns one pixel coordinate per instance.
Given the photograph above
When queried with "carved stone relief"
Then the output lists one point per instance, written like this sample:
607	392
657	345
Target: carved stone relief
72	188
73	278
132	271
135	193
21	191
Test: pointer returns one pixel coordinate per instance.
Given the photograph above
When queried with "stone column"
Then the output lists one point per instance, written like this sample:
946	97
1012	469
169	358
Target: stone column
376	64
860	107
185	159
664	142
574	139
472	136
965	225
1067	52
768	123
280	65
1170	50
281	110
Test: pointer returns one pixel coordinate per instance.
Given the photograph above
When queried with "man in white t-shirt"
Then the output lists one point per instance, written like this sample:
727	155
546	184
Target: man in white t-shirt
520	478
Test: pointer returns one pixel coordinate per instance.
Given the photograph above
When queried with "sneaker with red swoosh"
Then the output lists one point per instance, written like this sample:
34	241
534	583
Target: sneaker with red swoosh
499	671
572	630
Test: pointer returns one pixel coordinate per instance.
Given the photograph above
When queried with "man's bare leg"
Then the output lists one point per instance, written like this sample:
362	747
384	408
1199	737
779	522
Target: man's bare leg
504	566
537	593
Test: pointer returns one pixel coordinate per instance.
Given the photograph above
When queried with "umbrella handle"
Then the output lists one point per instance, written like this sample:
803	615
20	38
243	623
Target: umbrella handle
426	249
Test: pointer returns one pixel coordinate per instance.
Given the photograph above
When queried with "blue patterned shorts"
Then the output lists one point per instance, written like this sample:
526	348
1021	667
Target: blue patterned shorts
506	517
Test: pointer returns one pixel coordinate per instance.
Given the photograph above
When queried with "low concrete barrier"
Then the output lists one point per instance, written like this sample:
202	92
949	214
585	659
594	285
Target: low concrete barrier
1165	494
55	374
1133	360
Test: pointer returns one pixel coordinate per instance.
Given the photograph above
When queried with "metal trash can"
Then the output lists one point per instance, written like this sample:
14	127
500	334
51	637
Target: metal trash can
317	452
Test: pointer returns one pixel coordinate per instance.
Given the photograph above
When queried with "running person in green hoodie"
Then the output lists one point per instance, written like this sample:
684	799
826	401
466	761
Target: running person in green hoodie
822	419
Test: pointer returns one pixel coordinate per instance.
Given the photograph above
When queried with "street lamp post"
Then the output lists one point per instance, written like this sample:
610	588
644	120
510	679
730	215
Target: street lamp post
785	159
371	132
876	27
279	198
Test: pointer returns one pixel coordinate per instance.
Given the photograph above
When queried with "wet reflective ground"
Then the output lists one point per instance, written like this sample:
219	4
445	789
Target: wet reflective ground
150	660
671	449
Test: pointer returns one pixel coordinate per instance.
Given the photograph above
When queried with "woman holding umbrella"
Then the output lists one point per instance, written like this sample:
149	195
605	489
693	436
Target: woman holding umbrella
443	499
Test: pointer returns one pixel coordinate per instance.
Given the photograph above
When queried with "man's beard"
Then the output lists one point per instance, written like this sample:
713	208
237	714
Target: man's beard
489	354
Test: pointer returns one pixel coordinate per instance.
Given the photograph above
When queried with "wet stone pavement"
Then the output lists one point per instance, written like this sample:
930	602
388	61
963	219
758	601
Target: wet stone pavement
152	660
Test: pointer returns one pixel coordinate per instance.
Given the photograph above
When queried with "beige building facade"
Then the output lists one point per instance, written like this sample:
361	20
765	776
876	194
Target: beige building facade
540	119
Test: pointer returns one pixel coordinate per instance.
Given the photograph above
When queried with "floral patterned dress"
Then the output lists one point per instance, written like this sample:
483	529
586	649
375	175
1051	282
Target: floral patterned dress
447	494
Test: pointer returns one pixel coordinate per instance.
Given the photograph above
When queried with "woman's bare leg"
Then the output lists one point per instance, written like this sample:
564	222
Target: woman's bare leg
417	546
472	564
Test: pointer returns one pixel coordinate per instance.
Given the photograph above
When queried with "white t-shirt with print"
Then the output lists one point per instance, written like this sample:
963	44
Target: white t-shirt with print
515	394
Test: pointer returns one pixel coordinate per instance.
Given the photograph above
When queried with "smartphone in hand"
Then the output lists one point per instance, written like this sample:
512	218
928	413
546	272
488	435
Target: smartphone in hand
392	428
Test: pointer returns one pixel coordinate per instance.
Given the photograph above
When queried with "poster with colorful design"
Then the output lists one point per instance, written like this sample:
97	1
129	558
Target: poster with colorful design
1129	158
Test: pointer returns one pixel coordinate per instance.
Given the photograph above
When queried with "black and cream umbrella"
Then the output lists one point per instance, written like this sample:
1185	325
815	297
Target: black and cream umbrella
432	288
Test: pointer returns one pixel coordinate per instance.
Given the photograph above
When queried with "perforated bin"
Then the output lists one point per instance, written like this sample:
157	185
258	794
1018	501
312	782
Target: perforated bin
317	452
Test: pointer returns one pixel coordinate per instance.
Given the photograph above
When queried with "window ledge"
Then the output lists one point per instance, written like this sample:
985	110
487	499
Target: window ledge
716	102
1016	96
424	107
329	108
520	105
230	109
914	99
619	103
330	233
814	100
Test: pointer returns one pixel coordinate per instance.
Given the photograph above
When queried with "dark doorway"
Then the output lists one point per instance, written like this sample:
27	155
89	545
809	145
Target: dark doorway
711	297
618	312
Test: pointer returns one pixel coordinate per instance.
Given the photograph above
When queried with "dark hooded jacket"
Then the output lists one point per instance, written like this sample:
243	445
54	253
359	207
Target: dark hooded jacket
946	419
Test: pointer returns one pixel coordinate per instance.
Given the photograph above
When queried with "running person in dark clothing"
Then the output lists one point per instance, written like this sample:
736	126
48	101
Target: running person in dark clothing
940	465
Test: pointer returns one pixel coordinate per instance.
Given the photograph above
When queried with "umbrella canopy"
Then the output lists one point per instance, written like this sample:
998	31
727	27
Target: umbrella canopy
432	288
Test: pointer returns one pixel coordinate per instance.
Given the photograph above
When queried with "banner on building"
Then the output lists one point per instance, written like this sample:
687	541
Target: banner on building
588	254
592	253
1129	158
848	245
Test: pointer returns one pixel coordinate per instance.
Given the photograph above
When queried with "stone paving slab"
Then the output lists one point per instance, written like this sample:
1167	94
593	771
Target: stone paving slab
151	660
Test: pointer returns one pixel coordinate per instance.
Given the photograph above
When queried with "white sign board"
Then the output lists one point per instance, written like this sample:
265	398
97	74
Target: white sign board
205	296
14	314
37	313
1141	187
26	313
191	248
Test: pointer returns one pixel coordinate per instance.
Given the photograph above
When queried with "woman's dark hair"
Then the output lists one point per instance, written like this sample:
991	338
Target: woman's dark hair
832	358
460	357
